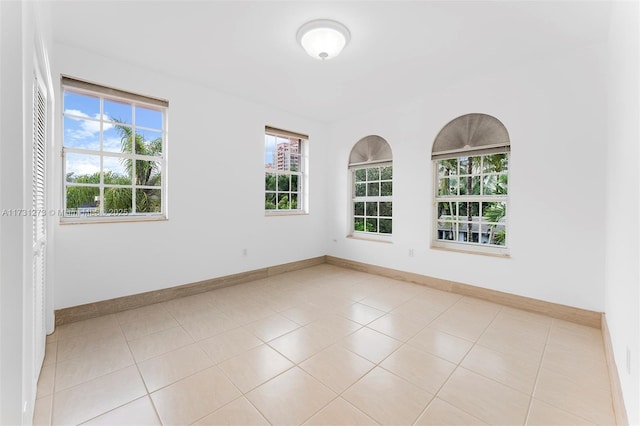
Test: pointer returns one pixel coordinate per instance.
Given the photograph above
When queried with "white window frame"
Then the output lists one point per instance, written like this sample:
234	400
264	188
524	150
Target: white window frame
73	85
301	174
370	199
454	199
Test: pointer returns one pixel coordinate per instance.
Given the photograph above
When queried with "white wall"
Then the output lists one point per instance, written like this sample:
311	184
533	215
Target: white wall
622	295
23	43
11	243
554	110
215	195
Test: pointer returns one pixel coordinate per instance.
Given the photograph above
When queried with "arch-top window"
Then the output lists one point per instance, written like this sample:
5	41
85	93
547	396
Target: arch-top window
471	158
371	169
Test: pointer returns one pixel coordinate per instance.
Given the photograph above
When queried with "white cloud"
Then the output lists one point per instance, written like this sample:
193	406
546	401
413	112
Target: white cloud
111	144
85	128
82	165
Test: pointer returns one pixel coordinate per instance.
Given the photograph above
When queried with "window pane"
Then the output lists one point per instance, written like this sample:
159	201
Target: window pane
476	163
373	189
372	225
372	209
385	208
446	209
81	105
361	175
502	187
463	164
474	237
116	138
358	224
489	184
294	201
447	167
147	200
386	173
270	201
295	183
82	200
358	209
464	231
468	210
269	151
475	185
495	163
283	182
445	234
148	142
294	162
117	111
283	201
373	173
361	189
449	186
82	168
445	229
117	201
285	153
494	211
466	185
461	210
115	171
84	134
385	226
148	173
386	189
148	118
475	209
269	181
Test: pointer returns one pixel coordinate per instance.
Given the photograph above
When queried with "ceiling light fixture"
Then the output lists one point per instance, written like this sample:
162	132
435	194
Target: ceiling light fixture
323	38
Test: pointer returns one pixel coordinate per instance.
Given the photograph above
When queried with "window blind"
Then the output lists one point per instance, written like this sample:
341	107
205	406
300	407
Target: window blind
471	134
116	93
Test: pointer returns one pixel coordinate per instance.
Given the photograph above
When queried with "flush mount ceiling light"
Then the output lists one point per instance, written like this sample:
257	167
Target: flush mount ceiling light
323	38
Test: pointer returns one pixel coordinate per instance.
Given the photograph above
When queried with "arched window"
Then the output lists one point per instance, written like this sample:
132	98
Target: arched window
471	161
371	169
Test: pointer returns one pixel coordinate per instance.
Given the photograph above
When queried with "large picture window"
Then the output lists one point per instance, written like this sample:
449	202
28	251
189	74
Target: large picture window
285	171
471	157
371	169
113	153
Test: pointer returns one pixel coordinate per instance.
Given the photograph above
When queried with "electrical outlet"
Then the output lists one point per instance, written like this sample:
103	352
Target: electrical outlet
244	252
411	253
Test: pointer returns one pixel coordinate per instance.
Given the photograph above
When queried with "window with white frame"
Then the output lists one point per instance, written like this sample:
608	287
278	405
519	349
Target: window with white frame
371	170
114	145
471	159
284	171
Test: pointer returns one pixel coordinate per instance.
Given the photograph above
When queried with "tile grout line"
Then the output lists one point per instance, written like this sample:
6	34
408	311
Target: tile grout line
535	383
53	388
459	365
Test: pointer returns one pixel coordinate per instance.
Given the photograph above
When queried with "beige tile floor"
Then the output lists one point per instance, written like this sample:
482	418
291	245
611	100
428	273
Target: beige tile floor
324	346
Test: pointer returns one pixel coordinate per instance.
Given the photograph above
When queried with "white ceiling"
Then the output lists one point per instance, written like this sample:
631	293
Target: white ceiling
399	50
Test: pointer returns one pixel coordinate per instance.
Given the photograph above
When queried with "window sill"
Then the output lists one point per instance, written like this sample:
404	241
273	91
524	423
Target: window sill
374	238
468	249
285	213
107	219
